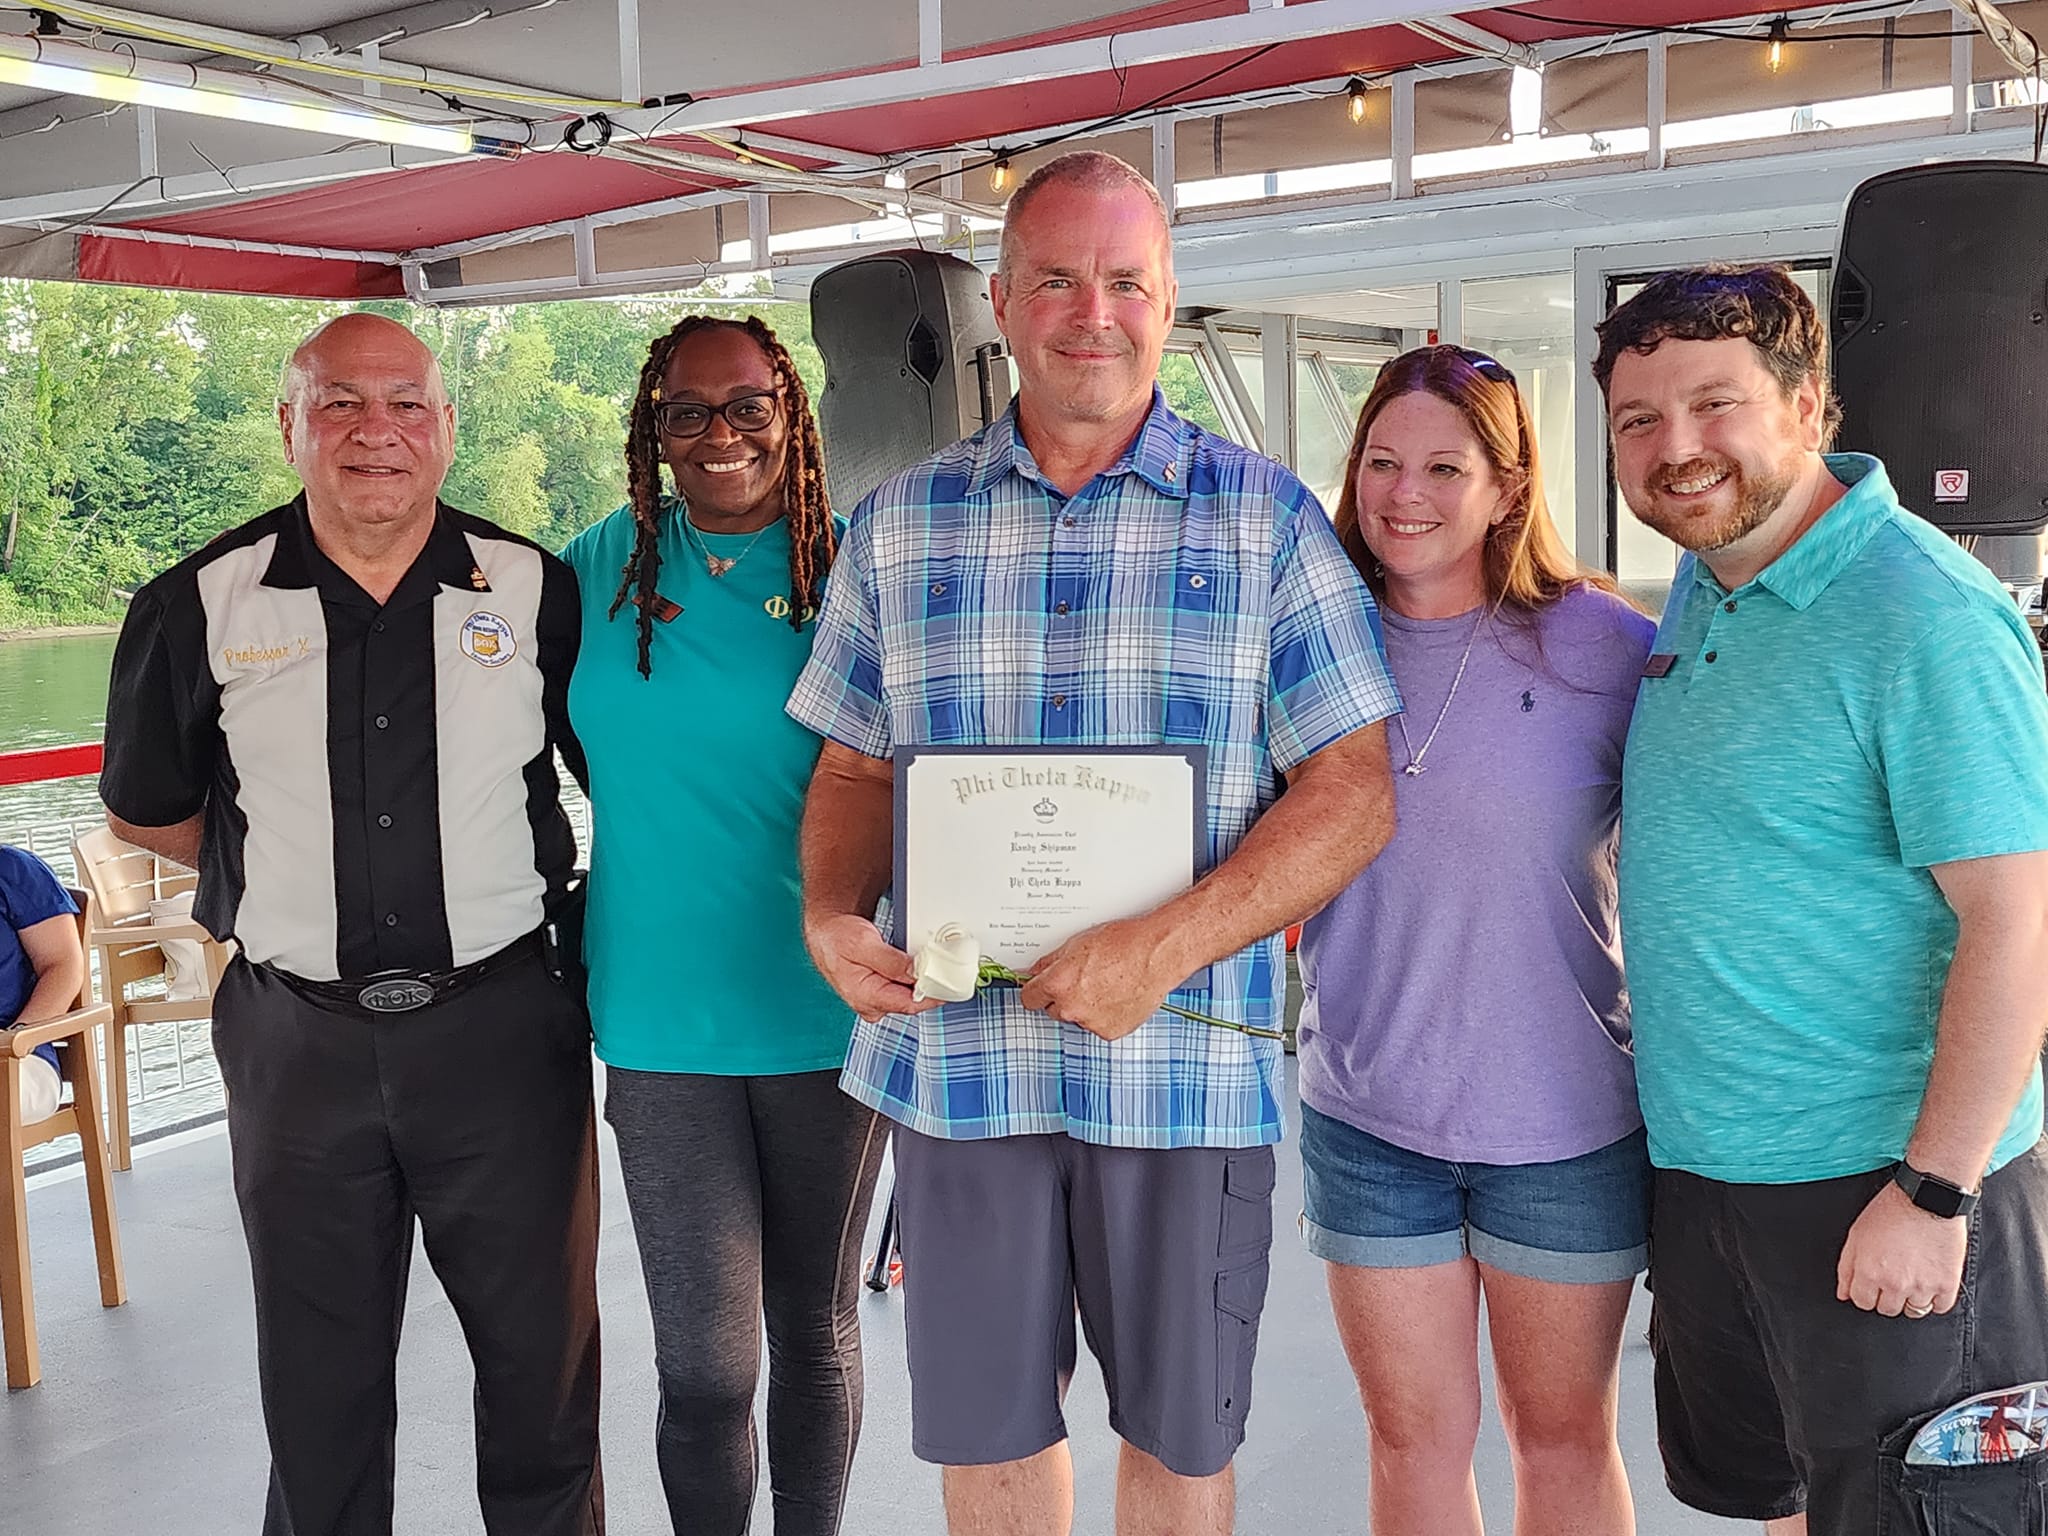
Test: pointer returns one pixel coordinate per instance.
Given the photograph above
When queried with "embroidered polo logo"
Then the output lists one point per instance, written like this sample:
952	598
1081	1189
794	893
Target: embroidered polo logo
1528	701
487	639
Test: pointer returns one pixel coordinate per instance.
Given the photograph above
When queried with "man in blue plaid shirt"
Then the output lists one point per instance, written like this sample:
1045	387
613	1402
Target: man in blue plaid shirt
1091	569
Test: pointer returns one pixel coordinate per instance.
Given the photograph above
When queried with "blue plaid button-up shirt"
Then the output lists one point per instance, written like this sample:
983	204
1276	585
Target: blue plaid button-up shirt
1192	592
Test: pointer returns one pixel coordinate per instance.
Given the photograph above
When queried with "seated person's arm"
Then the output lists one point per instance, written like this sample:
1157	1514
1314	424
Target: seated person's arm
179	842
58	960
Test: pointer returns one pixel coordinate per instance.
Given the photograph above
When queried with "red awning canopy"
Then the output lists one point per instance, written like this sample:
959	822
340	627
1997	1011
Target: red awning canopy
279	216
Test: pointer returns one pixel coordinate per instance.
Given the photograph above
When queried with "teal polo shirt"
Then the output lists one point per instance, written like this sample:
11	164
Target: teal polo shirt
1870	705
694	938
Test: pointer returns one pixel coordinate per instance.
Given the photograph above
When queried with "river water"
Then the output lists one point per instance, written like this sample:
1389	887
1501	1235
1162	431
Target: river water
53	690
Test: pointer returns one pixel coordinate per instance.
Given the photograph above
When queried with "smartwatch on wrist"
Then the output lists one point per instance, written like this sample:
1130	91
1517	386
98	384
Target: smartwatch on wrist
1936	1196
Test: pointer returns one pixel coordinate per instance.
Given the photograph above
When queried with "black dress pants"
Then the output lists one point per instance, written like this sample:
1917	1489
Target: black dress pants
472	1116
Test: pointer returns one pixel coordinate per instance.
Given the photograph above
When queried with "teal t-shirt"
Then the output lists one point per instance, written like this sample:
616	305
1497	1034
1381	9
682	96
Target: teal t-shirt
1870	705
694	937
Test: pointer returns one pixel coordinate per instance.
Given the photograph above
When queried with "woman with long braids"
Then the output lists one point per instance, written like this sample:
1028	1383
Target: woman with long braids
747	1171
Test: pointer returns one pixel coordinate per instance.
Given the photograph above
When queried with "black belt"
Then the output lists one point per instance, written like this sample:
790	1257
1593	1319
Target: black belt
402	991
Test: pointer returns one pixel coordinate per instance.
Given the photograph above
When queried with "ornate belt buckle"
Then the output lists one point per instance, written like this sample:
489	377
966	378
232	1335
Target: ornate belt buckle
397	994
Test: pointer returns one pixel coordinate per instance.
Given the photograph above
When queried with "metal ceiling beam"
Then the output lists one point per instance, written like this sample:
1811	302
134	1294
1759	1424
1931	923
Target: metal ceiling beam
1024	66
1467	38
363	42
629	50
596	221
1261	259
768	178
209	243
2007	38
831	154
409	22
316	55
206	186
1545	53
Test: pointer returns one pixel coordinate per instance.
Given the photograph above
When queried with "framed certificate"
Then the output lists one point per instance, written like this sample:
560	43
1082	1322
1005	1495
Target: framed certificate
1024	847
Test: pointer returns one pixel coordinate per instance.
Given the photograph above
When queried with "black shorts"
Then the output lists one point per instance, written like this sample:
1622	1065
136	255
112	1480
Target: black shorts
1773	1396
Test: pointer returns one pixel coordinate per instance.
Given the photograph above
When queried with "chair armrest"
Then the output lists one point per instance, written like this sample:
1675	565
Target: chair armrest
151	933
23	1038
186	929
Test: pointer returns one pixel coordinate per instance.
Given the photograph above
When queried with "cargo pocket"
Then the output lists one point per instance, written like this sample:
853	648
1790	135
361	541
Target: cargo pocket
1247	1224
1240	1296
2008	1498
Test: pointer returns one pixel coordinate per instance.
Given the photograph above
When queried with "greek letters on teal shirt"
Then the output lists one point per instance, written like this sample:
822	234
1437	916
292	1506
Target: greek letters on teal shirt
697	778
1869	706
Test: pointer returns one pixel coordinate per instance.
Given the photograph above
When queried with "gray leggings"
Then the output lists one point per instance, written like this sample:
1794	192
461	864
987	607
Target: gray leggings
750	1198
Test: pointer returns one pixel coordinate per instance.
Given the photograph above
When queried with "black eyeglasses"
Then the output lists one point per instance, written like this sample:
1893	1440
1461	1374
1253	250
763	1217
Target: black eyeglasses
1486	367
692	418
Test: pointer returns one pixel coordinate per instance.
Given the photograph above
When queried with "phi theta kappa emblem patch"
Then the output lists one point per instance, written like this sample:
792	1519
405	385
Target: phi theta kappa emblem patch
487	639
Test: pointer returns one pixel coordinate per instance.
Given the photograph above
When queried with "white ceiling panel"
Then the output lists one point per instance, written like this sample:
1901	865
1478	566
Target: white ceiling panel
976	23
693	47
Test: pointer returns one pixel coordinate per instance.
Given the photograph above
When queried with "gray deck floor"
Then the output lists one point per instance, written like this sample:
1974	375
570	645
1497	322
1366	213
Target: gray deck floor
147	1420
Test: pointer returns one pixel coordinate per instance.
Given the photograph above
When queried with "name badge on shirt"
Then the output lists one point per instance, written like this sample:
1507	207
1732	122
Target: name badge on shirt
662	608
1659	666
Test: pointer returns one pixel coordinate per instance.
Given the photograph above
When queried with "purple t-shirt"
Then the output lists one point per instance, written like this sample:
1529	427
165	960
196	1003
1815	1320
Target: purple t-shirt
1464	995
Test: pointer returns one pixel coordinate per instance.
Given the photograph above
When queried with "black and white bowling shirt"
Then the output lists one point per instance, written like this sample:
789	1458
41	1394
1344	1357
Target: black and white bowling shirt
379	781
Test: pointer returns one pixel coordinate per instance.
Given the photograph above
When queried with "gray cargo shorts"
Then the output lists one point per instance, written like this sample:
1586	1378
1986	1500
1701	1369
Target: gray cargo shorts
1166	1252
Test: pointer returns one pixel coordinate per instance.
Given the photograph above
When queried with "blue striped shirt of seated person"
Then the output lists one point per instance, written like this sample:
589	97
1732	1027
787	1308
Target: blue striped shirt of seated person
42	967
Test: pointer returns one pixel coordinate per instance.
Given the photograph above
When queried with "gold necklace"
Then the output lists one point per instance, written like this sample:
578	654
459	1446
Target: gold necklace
718	565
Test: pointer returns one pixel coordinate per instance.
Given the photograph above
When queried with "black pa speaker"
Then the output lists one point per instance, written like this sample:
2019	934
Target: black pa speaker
1940	339
913	362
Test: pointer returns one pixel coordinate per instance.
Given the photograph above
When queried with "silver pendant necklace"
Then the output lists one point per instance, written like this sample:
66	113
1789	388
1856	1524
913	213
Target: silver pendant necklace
718	565
1415	758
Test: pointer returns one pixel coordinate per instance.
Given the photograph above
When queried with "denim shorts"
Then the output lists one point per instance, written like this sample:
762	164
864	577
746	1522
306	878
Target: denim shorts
1366	1202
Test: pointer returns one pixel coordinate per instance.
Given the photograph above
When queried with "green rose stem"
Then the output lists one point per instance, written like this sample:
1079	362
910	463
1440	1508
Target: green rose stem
994	973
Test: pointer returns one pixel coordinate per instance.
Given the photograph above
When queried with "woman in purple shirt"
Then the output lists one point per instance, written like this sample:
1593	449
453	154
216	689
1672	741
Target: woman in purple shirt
1469	1121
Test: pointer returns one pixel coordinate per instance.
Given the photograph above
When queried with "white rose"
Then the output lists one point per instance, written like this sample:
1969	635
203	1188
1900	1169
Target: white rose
948	966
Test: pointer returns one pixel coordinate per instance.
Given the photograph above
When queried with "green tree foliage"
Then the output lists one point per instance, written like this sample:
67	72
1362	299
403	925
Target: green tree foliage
1181	382
137	424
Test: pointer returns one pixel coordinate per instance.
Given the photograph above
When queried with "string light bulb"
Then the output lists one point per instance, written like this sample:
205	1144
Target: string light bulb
1779	34
999	177
1356	89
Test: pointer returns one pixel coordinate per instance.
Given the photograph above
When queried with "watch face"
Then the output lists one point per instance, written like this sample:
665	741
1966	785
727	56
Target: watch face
1936	1196
1939	1199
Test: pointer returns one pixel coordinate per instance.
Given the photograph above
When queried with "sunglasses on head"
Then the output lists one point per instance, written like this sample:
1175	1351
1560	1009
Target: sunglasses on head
1486	367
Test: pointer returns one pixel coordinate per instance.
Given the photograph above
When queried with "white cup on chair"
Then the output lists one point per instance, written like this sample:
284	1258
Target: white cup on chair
184	959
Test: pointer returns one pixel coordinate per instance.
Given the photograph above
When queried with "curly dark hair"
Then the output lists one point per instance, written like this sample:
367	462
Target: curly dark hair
1760	304
811	541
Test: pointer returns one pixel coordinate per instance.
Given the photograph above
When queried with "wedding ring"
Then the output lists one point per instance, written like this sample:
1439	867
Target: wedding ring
1917	1312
